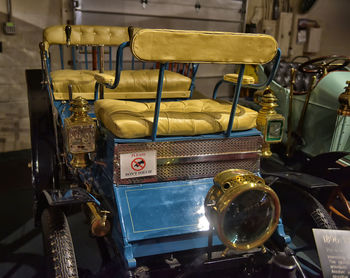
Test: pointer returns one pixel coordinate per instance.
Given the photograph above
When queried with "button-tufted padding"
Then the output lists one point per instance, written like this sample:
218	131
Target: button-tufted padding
133	84
129	119
162	45
283	77
87	35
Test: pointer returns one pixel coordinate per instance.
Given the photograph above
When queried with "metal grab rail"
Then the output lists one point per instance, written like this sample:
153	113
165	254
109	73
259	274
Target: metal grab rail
238	86
119	68
258	85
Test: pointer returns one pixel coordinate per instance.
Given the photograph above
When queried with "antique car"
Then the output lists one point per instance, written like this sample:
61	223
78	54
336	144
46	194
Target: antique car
307	96
162	174
314	96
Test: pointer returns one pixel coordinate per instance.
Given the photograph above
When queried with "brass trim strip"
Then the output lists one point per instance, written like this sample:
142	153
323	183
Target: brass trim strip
207	158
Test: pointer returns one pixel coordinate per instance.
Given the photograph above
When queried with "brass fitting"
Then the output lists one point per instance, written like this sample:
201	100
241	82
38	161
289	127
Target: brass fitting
68	30
100	225
344	101
80	132
269	122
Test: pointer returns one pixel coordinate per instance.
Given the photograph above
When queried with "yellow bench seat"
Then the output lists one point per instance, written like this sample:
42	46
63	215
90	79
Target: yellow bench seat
134	84
129	119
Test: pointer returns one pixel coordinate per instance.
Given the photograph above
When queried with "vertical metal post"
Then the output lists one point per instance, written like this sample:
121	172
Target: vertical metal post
102	65
194	74
210	242
158	101
235	100
73	57
94	58
132	62
61	56
86	57
98	57
110	58
244	14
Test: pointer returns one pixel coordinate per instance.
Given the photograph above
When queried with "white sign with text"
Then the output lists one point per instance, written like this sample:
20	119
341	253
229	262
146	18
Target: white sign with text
138	164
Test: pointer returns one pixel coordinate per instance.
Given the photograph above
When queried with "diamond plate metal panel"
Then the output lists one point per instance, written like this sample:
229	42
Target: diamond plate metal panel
194	159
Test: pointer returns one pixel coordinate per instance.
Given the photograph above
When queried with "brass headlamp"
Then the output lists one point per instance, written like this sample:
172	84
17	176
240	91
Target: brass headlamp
242	208
80	132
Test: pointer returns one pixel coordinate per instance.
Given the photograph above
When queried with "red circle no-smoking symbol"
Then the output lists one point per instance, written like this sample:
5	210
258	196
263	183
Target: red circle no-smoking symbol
138	164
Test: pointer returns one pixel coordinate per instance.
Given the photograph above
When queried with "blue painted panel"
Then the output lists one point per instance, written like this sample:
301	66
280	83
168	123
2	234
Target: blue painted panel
163	209
169	245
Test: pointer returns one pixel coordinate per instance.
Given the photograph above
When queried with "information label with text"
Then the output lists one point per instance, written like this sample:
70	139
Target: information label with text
333	247
138	164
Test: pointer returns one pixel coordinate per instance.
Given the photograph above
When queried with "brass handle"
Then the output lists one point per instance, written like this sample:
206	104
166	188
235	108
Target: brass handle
104	214
68	31
42	50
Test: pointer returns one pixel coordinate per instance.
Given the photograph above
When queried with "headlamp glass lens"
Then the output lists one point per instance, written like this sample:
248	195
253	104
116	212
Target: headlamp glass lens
249	217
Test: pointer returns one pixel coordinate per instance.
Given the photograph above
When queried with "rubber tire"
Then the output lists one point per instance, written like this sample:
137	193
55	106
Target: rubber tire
58	245
297	204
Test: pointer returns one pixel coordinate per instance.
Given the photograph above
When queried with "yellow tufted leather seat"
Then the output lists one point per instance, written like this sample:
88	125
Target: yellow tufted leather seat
134	84
128	119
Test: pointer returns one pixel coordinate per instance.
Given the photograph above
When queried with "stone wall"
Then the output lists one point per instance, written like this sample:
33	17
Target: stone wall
21	52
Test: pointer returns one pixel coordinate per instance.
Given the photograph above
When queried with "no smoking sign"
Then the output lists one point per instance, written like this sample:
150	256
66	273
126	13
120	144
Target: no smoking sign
138	164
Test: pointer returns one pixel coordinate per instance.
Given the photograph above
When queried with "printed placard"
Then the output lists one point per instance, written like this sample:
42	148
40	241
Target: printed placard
138	164
333	247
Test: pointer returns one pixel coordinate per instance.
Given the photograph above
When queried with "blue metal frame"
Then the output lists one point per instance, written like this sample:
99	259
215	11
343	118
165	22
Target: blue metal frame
235	100
61	56
164	66
263	84
119	68
86	57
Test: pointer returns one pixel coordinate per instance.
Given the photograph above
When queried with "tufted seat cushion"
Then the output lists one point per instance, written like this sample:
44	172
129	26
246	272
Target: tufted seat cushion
86	35
134	84
233	77
283	77
128	119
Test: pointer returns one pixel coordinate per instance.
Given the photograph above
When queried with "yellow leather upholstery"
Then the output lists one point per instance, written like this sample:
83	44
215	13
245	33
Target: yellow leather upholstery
202	46
138	84
134	84
233	77
82	81
86	35
128	119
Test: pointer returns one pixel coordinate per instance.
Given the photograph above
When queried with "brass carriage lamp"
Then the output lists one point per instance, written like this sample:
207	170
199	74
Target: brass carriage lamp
269	122
80	130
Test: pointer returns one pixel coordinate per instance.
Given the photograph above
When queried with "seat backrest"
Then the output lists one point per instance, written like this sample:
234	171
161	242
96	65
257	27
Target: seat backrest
163	45
101	42
83	40
86	35
183	46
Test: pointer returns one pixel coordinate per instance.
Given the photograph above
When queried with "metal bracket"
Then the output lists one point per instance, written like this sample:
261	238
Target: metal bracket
72	196
304	180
